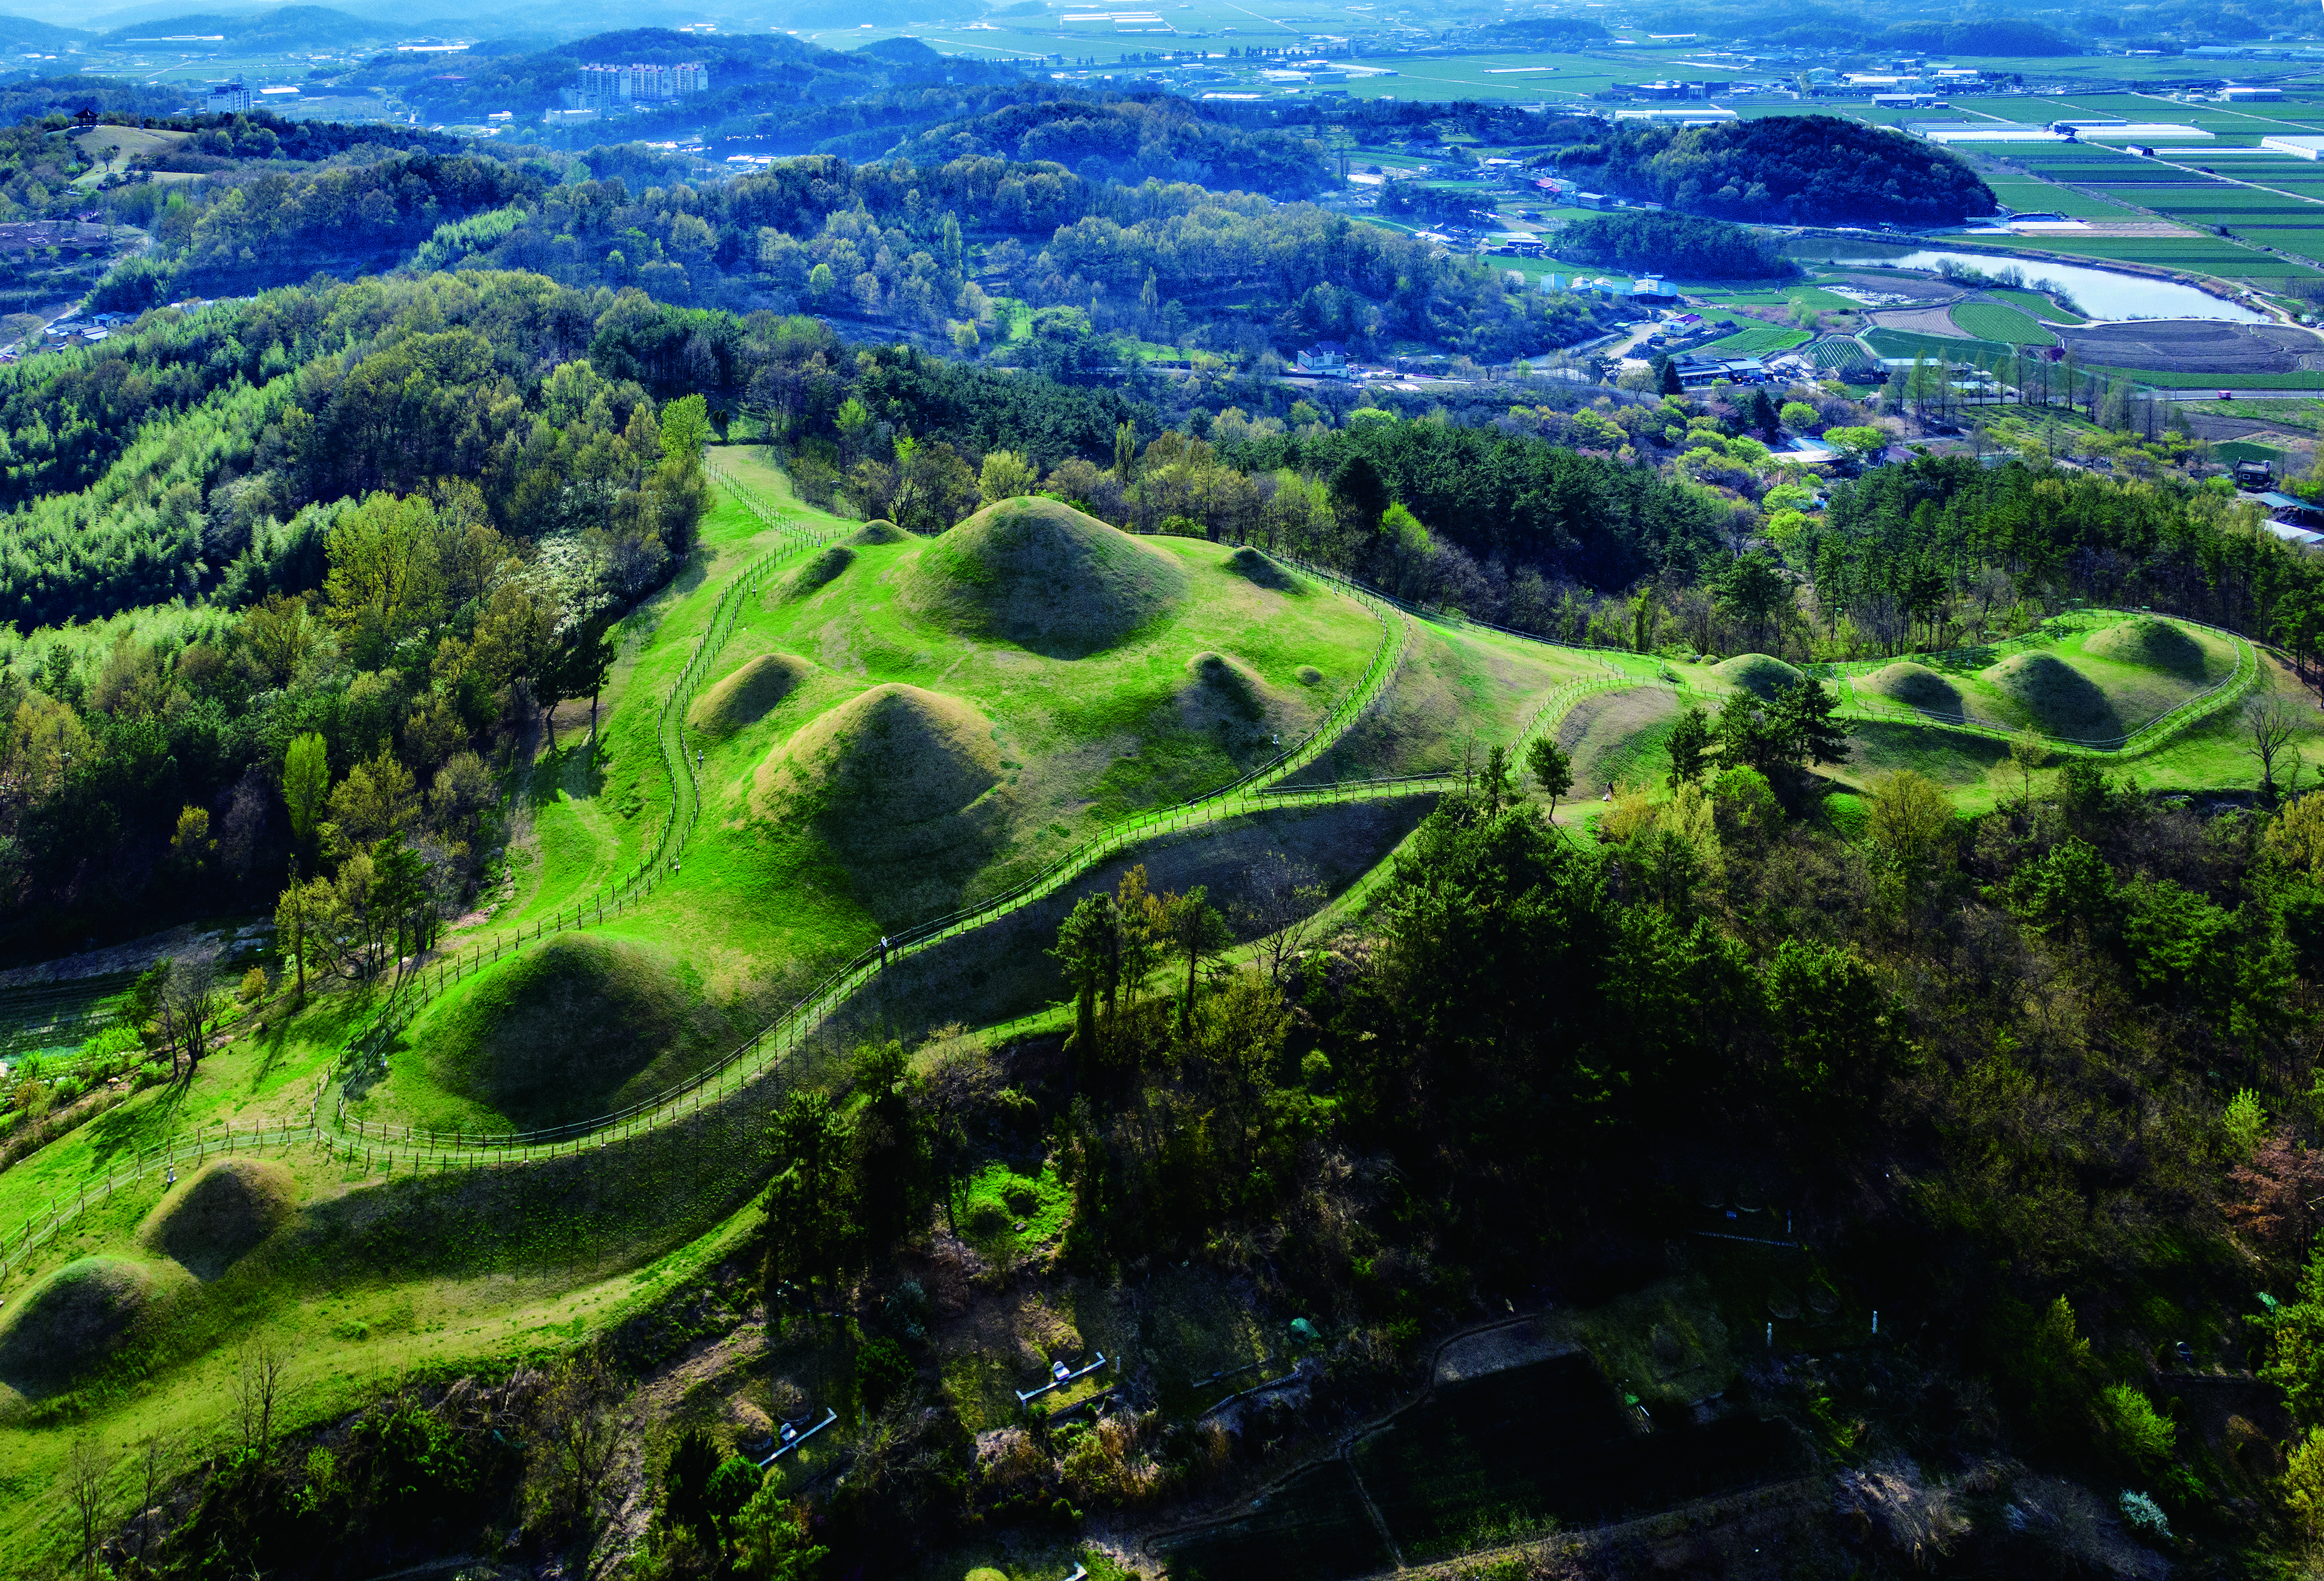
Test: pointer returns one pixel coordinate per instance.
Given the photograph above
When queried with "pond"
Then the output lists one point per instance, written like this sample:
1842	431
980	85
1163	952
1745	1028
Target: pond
2102	293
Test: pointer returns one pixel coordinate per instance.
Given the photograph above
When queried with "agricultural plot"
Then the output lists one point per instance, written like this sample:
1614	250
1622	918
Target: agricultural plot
1996	321
1759	341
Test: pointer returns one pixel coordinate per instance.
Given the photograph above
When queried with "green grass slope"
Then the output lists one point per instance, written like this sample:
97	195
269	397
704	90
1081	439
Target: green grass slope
744	695
1755	673
572	1027
1456	683
1040	574
215	1217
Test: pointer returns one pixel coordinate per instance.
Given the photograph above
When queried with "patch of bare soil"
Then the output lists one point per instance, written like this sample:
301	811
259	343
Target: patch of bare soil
2197	345
1919	287
1918	321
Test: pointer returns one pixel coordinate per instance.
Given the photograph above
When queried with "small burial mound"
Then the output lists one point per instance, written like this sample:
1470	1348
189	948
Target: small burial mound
1915	686
209	1222
75	1318
2056	699
748	694
2150	644
577	1027
1220	687
1041	574
876	532
1250	563
818	573
891	774
1756	674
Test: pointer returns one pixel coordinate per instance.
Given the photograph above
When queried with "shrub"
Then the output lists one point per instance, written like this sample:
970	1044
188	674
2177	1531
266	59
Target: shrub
2144	1515
882	1372
2138	1432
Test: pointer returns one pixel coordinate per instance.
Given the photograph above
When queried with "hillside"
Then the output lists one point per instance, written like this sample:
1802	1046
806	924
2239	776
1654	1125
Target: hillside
1782	170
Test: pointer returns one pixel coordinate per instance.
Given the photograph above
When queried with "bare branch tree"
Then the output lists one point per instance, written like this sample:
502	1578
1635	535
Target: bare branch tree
2272	723
1283	905
258	1388
153	1455
85	1486
578	1431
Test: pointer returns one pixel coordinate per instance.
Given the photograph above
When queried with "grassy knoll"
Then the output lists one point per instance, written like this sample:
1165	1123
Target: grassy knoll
1457	683
2092	684
590	814
1619	738
920	722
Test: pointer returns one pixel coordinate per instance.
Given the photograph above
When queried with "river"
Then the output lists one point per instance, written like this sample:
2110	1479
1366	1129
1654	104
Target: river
2102	293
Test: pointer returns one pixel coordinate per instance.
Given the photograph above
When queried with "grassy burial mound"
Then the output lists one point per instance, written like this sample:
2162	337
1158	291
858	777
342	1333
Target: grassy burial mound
1250	563
745	695
576	1028
1756	674
77	1318
897	774
1913	686
875	533
811	577
2147	643
1220	687
210	1222
2044	691
1041	574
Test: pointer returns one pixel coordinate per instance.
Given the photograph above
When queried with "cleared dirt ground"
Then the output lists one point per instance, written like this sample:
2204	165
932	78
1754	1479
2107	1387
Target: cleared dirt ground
2198	345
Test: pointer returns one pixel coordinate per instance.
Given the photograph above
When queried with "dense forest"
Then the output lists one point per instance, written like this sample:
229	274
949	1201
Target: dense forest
1152	137
2036	1082
1677	245
1785	170
746	74
361	653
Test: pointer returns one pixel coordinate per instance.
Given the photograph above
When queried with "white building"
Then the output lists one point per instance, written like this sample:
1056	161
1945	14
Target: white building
607	87
230	99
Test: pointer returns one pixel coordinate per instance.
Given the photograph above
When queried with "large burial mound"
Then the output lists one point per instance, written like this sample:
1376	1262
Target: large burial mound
876	532
748	694
211	1221
1915	686
2150	644
578	1027
1756	674
2056	698
1042	575
75	1318
891	774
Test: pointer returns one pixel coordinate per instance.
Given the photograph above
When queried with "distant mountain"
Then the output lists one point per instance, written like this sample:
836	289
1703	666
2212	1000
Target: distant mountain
748	74
288	27
20	33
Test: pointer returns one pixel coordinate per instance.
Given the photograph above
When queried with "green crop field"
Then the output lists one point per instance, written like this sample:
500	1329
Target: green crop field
1759	341
1995	322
